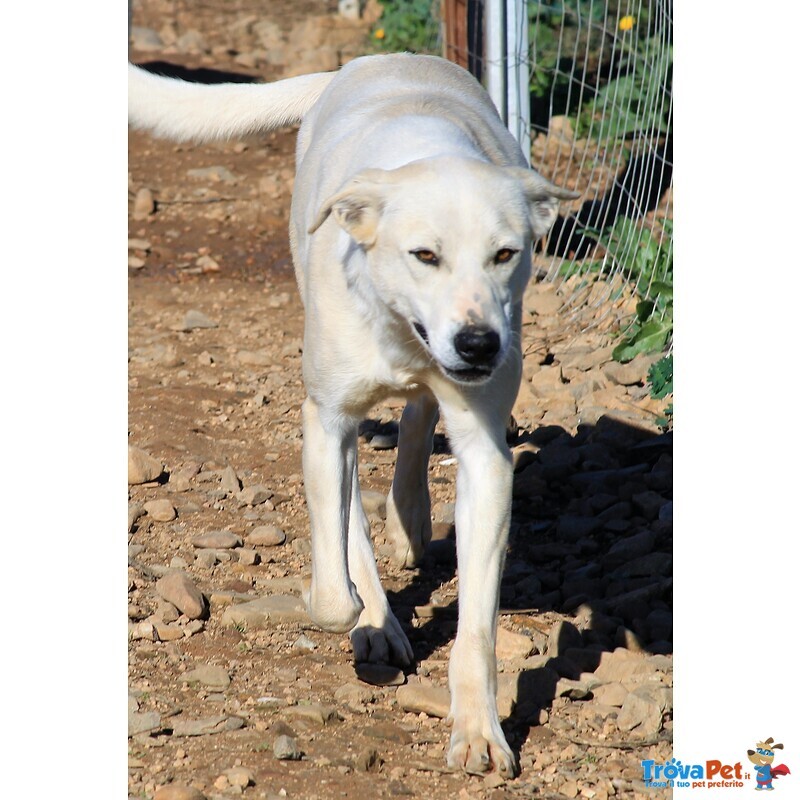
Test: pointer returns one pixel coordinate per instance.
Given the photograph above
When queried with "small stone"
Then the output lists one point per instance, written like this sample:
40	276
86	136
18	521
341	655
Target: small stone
641	711
383	441
621	666
201	727
389	732
432	700
221	540
229	481
254	358
142	630
209	675
216	174
610	694
493	780
367	760
630	548
313	712
194	319
175	791
266	536
248	557
145	39
255	495
178	588
512	645
135	510
142	467
167	632
143	204
648	504
284	748
569	788
148	722
160	510
206	558
207	264
380	674
240	777
302	642
354	695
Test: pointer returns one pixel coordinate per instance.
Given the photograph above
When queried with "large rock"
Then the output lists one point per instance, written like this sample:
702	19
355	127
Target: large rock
262	612
209	675
433	700
217	540
206	725
179	589
512	645
142	467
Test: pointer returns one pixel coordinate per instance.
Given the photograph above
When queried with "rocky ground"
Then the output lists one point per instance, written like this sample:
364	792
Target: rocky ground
232	691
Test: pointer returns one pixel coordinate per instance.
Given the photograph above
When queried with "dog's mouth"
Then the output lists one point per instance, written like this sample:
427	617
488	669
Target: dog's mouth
469	375
422	333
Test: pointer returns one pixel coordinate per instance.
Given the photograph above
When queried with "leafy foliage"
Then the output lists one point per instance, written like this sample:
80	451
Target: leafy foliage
660	378
407	26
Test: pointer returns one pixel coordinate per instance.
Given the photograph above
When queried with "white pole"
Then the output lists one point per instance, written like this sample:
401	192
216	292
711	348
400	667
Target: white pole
518	70
496	55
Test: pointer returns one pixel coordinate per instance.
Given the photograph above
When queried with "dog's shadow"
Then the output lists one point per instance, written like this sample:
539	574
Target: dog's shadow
543	566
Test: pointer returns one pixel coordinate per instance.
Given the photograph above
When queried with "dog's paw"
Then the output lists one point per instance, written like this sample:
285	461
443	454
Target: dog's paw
380	641
335	609
477	755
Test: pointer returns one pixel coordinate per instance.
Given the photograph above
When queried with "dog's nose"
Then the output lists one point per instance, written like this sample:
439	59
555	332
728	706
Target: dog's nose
477	344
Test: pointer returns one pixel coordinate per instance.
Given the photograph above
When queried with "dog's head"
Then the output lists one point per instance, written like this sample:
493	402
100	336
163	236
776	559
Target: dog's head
447	244
764	753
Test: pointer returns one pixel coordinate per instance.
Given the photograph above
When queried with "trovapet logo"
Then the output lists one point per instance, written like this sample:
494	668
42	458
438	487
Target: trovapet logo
716	774
711	773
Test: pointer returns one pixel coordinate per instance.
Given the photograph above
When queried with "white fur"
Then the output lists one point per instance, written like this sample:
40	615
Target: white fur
180	110
399	154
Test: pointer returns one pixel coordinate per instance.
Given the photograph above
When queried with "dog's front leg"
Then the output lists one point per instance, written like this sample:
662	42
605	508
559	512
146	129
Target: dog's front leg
329	464
483	510
378	636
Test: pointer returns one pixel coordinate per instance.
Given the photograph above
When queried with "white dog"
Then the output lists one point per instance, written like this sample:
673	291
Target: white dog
411	229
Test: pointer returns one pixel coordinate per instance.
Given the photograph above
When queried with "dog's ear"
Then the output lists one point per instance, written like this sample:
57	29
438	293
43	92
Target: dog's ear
542	197
357	206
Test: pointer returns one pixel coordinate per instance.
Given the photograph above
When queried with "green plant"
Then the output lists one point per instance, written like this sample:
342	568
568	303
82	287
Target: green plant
661	384
646	261
407	25
632	101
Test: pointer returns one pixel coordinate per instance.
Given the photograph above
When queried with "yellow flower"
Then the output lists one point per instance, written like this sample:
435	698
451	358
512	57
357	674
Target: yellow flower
380	33
626	23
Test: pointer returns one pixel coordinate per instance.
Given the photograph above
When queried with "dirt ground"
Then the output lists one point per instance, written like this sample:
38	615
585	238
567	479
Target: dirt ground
214	398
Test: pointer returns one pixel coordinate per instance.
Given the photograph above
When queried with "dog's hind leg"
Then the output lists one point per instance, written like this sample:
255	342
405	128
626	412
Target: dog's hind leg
329	463
408	507
377	637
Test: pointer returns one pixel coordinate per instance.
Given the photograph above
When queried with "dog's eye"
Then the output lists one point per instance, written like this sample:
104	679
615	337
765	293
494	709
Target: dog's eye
504	256
426	257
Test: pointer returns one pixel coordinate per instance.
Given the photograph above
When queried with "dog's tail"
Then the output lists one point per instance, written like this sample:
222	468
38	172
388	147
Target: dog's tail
181	110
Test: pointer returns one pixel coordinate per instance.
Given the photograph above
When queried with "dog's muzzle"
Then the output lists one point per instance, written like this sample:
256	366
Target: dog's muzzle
476	345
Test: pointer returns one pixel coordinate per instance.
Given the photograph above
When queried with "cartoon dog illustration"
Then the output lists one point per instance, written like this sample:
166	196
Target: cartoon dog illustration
762	757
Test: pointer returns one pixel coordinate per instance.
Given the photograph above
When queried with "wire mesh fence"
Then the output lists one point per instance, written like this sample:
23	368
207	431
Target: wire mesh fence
597	79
